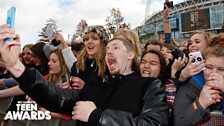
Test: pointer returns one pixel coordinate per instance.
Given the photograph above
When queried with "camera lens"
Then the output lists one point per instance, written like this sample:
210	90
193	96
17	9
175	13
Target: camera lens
193	60
199	59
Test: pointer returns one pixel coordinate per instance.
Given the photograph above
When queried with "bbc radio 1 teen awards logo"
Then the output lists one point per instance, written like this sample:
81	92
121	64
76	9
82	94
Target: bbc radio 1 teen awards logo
27	110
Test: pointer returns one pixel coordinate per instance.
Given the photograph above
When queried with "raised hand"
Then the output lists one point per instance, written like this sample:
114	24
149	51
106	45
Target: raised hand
60	38
166	11
216	81
209	96
10	51
192	69
178	64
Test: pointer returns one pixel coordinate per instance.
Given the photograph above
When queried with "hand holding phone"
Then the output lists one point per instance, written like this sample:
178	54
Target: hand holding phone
177	53
198	57
76	82
198	78
11	19
51	34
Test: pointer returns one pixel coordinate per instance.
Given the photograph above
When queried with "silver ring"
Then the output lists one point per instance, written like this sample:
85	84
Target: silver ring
210	99
73	113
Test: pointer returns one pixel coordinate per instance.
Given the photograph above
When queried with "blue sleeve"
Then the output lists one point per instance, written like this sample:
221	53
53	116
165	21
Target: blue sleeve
10	82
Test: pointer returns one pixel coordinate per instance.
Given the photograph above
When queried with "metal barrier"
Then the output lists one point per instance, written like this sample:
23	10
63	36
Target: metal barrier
216	119
3	107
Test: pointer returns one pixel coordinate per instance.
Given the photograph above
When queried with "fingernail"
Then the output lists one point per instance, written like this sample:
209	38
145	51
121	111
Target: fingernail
217	100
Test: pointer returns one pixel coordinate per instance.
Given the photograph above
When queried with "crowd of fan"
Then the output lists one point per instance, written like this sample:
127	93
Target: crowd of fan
117	81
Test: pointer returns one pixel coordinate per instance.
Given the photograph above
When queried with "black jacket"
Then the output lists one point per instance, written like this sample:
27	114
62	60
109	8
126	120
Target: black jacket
133	101
95	85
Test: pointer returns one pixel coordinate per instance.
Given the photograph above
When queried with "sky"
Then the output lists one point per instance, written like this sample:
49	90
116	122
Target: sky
31	15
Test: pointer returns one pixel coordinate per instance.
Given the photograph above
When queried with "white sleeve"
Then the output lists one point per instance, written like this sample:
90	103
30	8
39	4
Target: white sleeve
69	57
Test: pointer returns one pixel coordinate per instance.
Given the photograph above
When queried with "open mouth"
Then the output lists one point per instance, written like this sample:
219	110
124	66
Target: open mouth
111	63
194	50
146	73
90	47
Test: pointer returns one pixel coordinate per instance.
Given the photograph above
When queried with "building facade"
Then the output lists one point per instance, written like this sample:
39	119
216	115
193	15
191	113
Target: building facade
185	18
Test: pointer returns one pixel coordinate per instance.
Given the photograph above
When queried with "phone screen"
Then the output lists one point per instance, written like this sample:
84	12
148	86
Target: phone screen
50	32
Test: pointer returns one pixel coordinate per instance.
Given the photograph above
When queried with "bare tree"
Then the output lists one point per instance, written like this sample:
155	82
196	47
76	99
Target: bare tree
80	28
115	21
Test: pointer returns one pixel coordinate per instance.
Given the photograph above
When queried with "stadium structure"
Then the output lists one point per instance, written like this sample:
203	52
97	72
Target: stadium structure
185	18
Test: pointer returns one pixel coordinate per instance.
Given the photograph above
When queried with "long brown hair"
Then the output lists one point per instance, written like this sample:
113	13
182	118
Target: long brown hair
29	46
55	78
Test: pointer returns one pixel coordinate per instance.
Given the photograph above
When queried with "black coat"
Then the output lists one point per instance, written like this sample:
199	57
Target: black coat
131	100
95	85
135	101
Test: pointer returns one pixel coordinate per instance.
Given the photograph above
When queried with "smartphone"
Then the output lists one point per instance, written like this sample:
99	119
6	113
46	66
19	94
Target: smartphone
55	43
72	82
199	78
11	19
198	57
169	4
50	32
65	78
177	53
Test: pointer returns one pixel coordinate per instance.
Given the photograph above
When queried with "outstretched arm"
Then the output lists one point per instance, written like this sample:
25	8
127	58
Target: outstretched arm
8	82
13	91
30	81
166	22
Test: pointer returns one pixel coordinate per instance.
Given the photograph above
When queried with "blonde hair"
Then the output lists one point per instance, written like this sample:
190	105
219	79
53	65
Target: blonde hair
206	35
99	57
132	36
